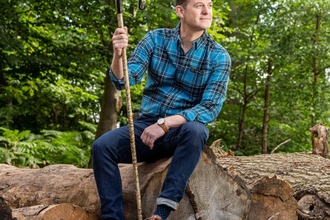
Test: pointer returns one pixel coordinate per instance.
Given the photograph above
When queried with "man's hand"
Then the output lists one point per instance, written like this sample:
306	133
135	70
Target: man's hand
120	40
151	134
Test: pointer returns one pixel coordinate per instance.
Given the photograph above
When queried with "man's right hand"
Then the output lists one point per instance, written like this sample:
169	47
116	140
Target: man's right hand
120	40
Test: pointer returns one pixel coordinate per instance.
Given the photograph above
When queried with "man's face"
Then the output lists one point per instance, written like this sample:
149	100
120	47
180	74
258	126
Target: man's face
197	14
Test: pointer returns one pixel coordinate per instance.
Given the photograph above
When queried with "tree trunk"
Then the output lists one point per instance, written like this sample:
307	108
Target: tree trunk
210	194
110	108
307	174
315	70
241	119
266	107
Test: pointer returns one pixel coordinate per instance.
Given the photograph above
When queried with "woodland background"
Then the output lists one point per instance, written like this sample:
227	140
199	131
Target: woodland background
56	96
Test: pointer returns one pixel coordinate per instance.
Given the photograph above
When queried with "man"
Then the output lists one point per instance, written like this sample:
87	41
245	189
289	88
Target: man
187	80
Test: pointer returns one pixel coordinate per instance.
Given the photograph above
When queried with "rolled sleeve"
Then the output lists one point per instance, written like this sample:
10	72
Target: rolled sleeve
137	64
118	83
189	115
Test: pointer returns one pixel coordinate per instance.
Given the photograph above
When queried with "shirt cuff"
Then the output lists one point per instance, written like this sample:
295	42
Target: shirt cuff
118	83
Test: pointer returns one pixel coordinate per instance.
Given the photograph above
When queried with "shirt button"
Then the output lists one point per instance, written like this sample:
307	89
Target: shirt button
192	70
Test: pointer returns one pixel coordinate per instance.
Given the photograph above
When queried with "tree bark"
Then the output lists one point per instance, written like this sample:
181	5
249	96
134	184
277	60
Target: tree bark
110	107
211	192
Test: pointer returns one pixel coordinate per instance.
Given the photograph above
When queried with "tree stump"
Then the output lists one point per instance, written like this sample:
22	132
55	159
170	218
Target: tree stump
320	136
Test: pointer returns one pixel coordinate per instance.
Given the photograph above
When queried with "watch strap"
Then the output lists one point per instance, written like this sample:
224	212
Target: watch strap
165	128
161	123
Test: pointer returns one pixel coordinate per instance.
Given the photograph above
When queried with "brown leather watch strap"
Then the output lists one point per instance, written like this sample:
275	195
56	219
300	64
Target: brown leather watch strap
164	127
161	123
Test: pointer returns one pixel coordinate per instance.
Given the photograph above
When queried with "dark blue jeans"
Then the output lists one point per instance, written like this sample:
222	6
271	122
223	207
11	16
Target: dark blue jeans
184	143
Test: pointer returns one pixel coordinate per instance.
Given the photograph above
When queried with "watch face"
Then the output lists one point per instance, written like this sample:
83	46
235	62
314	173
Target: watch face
161	121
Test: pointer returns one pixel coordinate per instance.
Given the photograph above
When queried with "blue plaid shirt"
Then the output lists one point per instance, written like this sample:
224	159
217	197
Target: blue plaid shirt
193	85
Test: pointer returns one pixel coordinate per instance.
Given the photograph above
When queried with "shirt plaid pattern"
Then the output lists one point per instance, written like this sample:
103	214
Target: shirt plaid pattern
192	84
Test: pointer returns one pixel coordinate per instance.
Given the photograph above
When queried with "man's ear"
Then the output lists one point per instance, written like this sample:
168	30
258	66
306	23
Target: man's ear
179	11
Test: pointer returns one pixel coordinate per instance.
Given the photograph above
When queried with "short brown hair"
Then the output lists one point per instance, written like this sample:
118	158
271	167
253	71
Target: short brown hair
183	3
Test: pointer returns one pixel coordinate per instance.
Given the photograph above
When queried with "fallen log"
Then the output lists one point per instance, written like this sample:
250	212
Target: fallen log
211	193
55	184
307	174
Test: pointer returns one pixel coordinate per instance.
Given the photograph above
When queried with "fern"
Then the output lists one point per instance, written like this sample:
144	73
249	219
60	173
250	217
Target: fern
50	147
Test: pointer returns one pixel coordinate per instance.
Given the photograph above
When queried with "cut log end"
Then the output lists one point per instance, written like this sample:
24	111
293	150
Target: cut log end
312	207
274	196
52	212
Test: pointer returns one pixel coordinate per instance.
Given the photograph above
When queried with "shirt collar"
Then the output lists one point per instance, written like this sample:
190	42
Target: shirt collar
196	43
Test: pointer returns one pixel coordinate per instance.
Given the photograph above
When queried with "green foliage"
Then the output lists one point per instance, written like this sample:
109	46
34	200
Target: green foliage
54	56
53	65
50	147
285	33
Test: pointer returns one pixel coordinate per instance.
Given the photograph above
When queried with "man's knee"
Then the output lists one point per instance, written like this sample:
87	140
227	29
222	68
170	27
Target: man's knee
96	148
196	128
101	146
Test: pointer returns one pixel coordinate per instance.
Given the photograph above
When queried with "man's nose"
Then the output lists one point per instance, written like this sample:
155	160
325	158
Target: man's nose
206	10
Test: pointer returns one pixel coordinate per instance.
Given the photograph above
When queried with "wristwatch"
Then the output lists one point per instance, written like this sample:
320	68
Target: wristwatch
161	123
